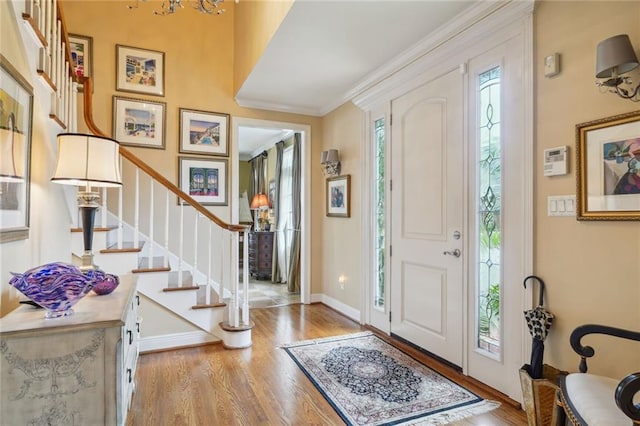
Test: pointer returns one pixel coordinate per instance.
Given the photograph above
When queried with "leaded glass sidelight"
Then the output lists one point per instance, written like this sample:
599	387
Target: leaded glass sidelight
488	196
379	200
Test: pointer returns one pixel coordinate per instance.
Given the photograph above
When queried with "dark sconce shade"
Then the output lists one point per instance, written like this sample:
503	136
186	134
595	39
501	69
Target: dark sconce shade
615	57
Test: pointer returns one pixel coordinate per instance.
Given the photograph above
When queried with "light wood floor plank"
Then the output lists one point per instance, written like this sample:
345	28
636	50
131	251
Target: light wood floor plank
261	385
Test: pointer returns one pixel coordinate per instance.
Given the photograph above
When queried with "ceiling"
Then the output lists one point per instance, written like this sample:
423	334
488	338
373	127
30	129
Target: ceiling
324	52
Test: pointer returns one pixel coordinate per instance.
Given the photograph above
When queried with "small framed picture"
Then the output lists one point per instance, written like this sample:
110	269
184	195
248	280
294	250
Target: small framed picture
204	179
140	70
204	132
338	196
608	171
138	122
81	48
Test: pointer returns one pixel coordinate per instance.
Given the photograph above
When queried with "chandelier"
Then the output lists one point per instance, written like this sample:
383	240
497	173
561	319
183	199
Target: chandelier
204	6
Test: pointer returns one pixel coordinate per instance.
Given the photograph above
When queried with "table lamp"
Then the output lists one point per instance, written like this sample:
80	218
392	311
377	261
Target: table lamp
88	161
259	202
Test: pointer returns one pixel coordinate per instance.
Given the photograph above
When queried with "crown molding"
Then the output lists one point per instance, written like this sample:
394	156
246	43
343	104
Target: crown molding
413	61
271	106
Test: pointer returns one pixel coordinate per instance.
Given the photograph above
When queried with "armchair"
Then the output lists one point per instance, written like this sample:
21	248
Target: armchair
588	399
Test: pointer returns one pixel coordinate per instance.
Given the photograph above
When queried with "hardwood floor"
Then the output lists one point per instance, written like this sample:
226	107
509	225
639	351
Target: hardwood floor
261	385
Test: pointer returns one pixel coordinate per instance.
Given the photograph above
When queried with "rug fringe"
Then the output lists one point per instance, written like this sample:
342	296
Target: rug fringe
454	415
325	339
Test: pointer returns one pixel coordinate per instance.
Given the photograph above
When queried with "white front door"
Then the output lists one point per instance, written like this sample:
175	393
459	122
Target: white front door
427	176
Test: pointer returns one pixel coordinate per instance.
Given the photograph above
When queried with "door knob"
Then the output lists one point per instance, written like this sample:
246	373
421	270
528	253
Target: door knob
454	252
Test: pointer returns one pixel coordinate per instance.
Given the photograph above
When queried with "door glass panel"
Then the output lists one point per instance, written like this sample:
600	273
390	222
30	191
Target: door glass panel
489	195
379	201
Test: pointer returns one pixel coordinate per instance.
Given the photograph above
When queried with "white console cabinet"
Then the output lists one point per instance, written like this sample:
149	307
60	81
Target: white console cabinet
77	370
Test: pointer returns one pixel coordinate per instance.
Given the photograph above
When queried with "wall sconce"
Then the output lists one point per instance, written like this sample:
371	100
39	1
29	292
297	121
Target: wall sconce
86	160
260	204
330	162
615	57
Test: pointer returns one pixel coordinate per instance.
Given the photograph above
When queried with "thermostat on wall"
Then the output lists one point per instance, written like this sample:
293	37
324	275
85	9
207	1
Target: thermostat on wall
556	161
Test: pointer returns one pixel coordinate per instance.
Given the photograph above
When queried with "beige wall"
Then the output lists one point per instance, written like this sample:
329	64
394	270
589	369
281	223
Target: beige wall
338	247
591	268
256	21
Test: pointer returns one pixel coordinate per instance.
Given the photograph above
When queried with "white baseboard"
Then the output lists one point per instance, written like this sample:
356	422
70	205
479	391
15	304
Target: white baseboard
345	310
176	340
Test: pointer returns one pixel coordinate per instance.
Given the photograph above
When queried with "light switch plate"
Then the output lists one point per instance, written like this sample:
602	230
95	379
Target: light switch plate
552	65
561	205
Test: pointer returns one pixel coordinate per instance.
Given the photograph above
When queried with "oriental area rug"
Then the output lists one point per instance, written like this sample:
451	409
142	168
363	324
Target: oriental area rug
370	382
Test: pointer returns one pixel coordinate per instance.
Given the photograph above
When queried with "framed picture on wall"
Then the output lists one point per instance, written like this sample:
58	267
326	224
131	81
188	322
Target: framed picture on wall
205	180
608	171
16	120
138	122
204	132
81	55
338	196
139	70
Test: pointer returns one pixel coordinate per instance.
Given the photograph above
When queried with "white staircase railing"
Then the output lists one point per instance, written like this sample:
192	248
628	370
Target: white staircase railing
45	22
216	248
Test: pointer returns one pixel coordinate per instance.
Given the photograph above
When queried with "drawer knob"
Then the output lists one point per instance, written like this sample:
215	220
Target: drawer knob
130	333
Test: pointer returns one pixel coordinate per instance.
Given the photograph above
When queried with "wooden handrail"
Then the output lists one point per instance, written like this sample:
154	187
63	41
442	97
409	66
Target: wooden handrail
88	118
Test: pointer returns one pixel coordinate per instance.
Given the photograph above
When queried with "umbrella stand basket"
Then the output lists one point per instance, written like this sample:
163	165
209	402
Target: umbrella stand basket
539	395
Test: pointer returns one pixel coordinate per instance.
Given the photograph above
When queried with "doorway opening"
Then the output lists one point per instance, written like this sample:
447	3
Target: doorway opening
263	161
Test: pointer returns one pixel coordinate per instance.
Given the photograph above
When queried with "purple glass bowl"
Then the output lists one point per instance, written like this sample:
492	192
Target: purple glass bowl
106	284
54	286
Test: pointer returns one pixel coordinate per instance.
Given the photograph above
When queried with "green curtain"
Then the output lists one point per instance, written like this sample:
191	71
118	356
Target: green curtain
293	275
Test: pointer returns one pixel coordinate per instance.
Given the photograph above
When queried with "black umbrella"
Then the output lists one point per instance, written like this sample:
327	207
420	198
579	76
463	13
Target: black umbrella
539	322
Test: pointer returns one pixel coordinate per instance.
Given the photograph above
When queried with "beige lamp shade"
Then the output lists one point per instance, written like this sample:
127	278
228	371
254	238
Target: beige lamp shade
87	160
259	201
12	156
615	53
323	157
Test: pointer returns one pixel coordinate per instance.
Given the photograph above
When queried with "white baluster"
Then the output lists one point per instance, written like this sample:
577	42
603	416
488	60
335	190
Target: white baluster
63	91
136	211
120	221
28	7
151	211
235	314
221	275
209	257
166	230
103	213
245	278
42	16
181	244
195	249
45	53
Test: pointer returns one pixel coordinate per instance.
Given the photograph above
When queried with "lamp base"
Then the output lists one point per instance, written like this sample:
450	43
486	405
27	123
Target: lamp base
87	262
88	203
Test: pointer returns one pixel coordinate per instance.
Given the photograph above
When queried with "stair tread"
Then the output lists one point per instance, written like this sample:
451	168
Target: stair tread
127	247
210	305
97	229
183	288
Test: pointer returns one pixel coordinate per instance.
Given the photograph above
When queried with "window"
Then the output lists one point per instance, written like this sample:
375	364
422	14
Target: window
379	202
489	196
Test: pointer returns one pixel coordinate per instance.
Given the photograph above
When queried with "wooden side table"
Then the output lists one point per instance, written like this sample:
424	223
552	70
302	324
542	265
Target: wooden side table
260	254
